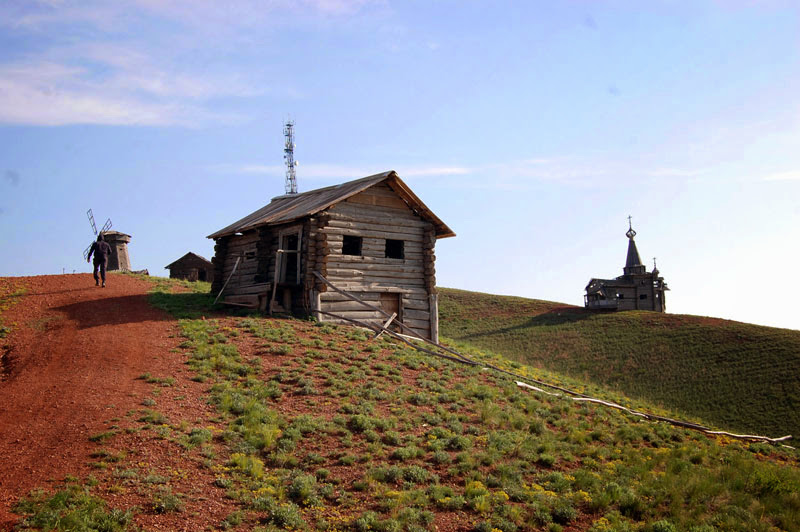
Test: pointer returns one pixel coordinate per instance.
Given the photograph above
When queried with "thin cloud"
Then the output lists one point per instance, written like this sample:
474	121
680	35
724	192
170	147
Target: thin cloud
129	76
53	95
517	175
675	172
783	176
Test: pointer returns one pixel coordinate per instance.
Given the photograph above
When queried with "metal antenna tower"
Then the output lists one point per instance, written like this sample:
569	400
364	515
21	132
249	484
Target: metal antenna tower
288	156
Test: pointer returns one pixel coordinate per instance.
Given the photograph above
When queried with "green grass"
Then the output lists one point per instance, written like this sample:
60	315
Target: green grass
73	509
733	375
446	437
182	299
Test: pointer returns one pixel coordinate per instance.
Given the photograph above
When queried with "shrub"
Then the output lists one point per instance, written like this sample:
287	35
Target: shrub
249	465
563	512
459	443
165	501
347	460
546	460
70	509
285	515
360	423
303	489
661	526
406	453
199	435
415	474
391	438
388	474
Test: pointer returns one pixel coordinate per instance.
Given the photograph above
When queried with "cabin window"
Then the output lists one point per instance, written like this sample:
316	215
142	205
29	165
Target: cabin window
394	249
249	255
351	245
620	296
642	296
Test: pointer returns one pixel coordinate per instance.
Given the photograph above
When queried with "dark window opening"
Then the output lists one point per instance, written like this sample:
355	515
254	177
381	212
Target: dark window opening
351	245
620	296
642	296
249	255
290	260
201	275
394	249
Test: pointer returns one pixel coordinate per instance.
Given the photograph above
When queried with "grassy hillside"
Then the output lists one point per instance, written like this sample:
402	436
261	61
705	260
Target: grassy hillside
318	427
733	375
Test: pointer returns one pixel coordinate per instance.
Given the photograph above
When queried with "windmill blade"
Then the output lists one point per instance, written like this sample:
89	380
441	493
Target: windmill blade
86	252
90	215
106	226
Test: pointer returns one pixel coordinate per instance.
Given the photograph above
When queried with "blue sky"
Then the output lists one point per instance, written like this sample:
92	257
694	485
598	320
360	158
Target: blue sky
532	128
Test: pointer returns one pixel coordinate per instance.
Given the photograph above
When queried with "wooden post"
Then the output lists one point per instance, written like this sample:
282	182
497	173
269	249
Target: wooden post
434	310
316	305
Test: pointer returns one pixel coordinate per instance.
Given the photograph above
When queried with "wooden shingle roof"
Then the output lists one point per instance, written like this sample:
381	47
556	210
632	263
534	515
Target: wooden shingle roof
288	208
188	256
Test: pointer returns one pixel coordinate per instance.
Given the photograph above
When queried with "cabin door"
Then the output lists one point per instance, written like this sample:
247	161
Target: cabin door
392	303
289	258
287	270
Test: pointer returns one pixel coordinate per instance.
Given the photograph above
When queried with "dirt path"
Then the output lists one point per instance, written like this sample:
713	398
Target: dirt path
71	366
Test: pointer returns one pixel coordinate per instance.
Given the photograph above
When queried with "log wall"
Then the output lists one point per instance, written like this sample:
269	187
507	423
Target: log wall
376	215
246	249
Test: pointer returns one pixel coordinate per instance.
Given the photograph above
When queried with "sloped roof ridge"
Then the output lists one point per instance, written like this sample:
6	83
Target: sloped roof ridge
168	266
287	208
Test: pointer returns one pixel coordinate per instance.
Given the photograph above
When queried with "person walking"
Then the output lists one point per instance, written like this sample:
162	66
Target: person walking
101	251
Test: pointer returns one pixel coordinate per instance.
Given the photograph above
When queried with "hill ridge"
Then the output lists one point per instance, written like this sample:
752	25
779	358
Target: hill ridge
696	365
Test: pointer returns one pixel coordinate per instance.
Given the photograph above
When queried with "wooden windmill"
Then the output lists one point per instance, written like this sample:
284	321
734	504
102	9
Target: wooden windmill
119	259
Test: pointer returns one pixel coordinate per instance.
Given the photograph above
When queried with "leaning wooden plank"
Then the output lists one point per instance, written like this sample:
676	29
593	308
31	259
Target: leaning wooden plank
226	282
386	325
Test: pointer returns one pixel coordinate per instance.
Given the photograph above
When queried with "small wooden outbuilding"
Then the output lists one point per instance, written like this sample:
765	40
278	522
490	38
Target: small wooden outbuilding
372	237
191	267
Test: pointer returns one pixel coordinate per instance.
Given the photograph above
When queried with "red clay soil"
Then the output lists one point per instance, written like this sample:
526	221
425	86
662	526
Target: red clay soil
70	364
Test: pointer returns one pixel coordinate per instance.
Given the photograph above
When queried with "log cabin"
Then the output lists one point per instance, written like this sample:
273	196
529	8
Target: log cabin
372	237
191	267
